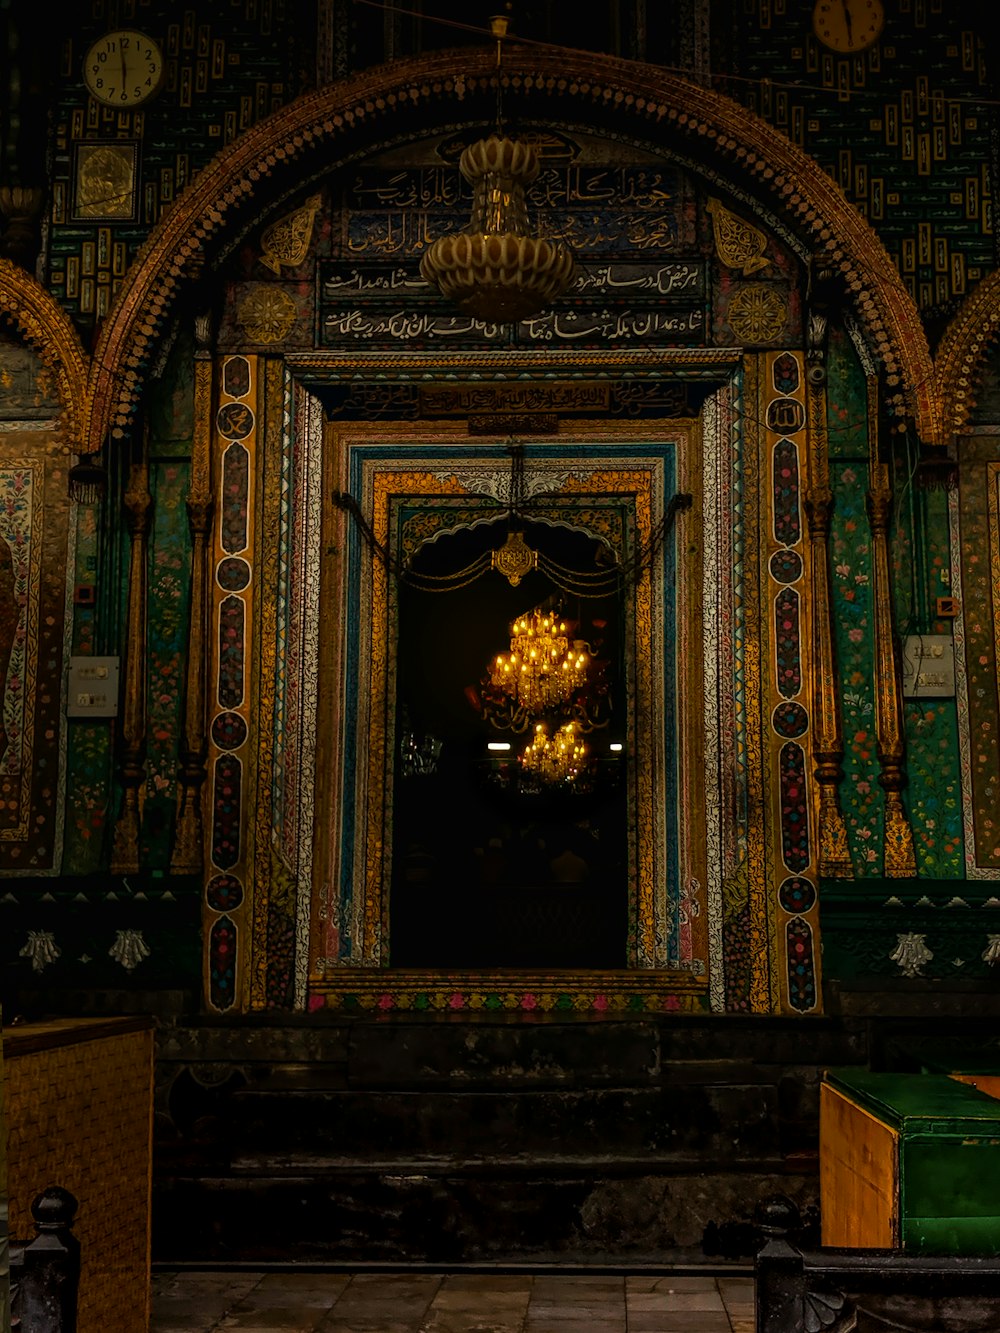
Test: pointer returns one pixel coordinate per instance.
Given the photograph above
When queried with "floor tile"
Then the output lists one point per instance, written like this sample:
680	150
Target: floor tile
680	1321
467	1299
413	1302
471	1321
491	1281
688	1301
370	1321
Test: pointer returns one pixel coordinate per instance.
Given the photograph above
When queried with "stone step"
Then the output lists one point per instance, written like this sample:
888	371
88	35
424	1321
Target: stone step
546	1050
722	1121
575	1211
307	1166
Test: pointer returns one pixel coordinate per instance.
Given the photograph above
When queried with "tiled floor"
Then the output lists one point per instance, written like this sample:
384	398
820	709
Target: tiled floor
186	1302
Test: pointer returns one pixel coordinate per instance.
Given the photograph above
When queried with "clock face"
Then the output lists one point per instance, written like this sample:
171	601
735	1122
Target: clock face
848	25
123	68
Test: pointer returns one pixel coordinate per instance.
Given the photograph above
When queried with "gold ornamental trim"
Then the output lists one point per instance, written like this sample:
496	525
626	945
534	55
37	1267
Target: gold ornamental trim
963	353
569	365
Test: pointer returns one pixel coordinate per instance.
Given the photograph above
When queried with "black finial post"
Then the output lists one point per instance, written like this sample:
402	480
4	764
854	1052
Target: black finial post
778	1268
50	1269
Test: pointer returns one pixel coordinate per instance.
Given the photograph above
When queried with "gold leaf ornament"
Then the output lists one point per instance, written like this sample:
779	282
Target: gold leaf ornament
266	314
285	243
739	245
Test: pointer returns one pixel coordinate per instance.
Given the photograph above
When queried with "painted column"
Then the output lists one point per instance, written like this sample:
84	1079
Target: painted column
900	861
138	513
188	854
828	734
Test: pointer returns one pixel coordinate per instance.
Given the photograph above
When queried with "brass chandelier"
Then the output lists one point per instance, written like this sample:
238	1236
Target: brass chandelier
555	759
543	670
551	683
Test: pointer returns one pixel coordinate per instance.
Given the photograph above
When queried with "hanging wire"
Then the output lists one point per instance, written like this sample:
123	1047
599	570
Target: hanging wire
581	583
760	83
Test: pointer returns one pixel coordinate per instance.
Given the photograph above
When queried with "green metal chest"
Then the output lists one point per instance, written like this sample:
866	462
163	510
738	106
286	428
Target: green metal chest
910	1162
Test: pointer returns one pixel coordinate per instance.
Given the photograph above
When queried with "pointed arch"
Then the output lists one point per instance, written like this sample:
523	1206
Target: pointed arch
961	357
43	323
322	129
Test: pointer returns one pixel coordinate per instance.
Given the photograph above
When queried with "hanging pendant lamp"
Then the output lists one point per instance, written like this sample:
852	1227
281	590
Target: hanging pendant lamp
496	270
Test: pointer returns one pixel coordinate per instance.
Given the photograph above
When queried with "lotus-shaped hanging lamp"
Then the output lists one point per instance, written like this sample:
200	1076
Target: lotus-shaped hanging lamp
496	270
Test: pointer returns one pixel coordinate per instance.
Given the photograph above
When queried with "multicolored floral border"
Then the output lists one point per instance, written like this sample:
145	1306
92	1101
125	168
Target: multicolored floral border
468	993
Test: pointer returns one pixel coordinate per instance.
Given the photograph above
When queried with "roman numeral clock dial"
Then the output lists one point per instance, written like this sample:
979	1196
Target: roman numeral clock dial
123	68
848	26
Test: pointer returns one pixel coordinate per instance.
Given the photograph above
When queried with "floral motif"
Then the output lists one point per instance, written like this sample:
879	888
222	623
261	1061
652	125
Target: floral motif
911	953
222	963
42	949
794	817
785	467
129	949
801	970
786	637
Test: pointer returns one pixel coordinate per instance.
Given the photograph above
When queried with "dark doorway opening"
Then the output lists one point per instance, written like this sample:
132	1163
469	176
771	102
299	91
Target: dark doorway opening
486	873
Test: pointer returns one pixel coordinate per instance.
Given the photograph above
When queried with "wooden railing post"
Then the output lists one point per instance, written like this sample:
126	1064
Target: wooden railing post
779	1271
46	1273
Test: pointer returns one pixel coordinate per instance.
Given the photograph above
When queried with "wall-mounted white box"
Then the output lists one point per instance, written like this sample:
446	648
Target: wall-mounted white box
928	666
93	687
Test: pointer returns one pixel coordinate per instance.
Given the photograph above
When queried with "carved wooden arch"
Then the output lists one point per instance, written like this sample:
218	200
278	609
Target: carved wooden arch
45	325
961	357
362	112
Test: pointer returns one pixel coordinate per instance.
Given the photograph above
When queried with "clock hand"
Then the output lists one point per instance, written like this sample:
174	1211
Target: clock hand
847	21
121	57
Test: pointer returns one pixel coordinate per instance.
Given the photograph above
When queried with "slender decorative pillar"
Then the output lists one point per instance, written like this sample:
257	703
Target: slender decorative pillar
188	854
138	513
900	860
828	733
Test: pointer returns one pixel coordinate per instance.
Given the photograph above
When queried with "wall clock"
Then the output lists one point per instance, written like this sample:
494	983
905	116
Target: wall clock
848	26
123	68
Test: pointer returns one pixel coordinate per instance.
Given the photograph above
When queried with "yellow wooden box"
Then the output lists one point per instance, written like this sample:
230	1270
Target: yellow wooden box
78	1107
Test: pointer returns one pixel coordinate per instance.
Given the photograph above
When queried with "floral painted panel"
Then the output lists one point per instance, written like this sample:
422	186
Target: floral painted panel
89	799
850	548
979	511
169	582
921	574
34	535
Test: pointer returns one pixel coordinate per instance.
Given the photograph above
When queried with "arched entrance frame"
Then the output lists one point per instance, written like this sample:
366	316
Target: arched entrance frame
381	105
